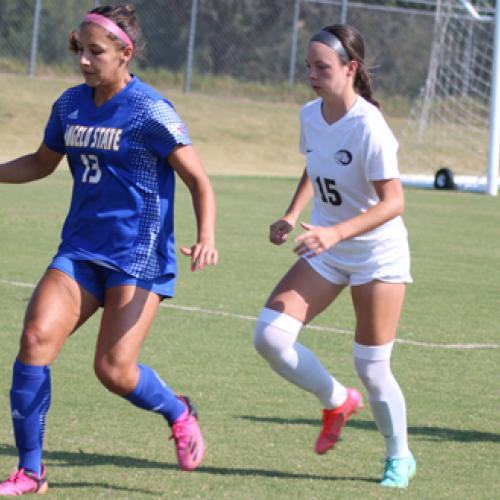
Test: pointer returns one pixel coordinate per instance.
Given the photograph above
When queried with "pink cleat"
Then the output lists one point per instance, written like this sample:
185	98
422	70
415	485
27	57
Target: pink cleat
22	482
189	443
335	419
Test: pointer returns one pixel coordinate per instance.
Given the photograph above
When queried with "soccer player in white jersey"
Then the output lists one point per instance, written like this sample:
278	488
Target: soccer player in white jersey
355	238
124	144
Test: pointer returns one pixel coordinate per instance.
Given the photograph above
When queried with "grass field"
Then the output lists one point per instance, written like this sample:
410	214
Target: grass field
234	135
260	430
244	136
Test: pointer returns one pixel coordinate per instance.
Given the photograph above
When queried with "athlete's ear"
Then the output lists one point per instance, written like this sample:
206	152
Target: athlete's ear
352	67
127	53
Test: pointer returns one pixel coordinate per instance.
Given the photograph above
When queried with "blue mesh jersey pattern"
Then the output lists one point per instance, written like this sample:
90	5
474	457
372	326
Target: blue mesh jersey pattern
121	211
160	122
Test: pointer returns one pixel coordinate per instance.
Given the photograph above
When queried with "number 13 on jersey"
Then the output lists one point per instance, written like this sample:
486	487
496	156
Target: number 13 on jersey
92	173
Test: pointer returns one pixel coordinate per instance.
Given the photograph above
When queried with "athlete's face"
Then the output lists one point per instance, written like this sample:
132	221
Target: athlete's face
328	75
102	62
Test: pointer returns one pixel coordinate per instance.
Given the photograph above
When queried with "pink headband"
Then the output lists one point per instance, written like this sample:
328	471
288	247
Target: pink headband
108	25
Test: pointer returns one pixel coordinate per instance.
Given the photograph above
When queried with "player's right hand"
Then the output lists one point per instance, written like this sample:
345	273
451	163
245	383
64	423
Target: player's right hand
202	254
279	230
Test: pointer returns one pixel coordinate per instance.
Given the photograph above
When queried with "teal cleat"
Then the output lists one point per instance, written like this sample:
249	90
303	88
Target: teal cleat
398	472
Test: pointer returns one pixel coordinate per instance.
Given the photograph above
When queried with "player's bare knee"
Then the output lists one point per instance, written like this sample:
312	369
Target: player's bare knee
119	378
35	339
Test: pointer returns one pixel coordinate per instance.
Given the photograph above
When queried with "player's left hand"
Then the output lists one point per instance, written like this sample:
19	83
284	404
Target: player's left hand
315	240
202	254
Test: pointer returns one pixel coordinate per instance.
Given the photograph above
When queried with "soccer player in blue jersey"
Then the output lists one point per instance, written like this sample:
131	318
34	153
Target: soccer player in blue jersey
124	144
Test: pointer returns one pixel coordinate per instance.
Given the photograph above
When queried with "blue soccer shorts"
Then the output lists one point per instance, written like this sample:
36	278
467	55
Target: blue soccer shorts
97	278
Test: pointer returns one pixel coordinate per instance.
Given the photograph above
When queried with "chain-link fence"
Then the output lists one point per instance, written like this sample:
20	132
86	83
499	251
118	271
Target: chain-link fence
235	44
257	47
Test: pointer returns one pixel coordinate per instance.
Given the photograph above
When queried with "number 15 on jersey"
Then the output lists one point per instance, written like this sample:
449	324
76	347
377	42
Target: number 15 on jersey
327	191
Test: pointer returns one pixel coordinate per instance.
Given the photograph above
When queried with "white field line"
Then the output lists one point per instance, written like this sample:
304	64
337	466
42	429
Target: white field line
339	331
330	329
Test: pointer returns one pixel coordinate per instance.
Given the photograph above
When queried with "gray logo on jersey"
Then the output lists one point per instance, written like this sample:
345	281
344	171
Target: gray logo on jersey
343	157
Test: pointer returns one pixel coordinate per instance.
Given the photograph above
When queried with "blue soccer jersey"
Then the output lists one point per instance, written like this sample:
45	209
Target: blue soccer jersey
121	211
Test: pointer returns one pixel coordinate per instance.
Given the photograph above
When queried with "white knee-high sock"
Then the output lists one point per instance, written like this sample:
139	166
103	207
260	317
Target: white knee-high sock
386	399
275	339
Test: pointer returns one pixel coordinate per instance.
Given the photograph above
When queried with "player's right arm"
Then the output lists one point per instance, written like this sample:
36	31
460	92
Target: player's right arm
279	230
30	167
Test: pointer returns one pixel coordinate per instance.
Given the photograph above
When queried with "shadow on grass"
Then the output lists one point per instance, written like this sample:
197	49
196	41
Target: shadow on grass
432	433
72	459
103	486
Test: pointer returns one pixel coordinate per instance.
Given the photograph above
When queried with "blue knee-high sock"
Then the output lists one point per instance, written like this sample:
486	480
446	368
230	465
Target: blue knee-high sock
152	394
29	402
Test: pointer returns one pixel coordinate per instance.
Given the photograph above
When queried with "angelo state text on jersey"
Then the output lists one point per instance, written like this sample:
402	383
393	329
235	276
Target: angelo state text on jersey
80	136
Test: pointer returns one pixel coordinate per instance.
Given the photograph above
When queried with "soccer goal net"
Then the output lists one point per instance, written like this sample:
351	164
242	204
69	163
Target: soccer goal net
449	128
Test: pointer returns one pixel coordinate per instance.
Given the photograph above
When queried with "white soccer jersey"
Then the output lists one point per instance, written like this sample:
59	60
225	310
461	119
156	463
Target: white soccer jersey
342	161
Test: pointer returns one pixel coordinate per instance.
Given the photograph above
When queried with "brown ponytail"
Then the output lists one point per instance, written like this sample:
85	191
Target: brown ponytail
363	85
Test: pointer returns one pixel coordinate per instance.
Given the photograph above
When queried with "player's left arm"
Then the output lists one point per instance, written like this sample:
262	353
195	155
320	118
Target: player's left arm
186	163
317	239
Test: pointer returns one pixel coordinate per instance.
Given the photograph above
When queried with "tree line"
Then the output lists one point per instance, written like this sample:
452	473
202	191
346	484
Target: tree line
244	39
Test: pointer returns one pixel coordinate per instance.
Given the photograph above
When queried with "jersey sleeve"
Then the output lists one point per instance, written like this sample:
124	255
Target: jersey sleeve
164	129
381	147
53	136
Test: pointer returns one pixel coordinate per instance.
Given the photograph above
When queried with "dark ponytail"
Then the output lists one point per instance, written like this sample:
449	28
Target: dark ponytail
363	84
